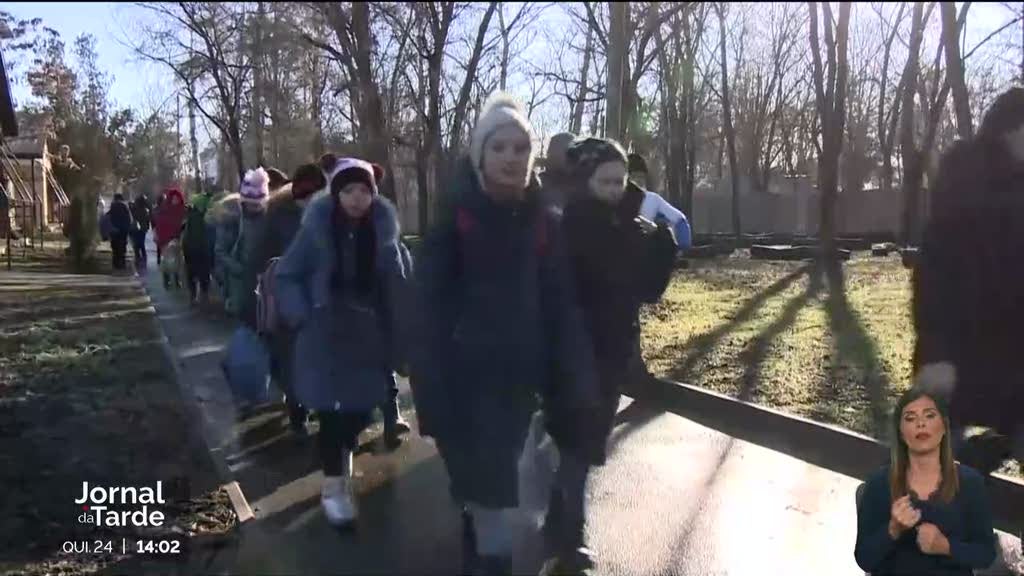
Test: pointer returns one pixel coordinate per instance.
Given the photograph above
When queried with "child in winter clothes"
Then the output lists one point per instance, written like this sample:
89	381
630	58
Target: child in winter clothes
171	264
620	261
169	219
235	258
284	217
195	246
339	287
496	327
222	219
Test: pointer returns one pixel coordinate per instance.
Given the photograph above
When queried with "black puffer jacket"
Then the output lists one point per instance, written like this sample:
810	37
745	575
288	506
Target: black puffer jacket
617	268
968	284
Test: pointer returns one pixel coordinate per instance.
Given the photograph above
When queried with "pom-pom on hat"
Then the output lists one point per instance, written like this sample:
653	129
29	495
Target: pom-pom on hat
255	187
501	109
348	170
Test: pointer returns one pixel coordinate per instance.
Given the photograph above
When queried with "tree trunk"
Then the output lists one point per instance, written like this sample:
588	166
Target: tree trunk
194	144
503	72
577	112
727	127
618	52
422	186
830	96
955	70
258	71
316	87
912	168
461	106
375	133
886	128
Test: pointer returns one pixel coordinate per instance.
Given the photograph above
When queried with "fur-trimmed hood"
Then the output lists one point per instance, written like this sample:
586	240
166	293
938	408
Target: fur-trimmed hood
224	209
383	212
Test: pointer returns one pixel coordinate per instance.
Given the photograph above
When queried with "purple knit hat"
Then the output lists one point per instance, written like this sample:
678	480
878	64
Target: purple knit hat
255	187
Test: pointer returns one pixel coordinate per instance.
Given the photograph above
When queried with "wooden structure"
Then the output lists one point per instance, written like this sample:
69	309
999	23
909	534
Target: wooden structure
8	128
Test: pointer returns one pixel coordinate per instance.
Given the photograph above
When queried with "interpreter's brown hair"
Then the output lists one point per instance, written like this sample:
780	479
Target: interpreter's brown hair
900	457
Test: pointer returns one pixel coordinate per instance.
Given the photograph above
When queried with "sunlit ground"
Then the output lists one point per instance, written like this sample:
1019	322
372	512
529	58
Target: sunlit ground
837	350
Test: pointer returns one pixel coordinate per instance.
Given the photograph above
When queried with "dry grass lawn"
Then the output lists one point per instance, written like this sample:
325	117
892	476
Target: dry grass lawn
836	349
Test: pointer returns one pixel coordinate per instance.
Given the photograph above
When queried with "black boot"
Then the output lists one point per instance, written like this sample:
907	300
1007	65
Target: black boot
553	528
579	562
469	555
296	418
394	425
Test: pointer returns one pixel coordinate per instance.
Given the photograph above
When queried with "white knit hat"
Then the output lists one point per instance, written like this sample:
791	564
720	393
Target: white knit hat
500	109
255	187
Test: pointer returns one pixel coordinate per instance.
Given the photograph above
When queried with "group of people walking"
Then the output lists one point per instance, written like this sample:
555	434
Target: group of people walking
521	305
523	301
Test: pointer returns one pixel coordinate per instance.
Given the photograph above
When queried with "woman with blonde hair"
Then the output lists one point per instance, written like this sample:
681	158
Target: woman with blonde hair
924	513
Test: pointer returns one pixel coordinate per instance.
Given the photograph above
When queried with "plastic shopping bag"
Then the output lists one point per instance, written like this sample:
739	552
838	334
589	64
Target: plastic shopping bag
537	467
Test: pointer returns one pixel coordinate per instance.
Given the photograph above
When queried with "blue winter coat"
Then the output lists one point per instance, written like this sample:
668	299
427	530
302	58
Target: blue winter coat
344	351
499	331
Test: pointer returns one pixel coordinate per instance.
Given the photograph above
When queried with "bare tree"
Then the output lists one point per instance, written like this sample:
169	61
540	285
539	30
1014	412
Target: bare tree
932	103
355	47
618	52
830	94
886	120
216	72
727	125
584	88
462	103
955	69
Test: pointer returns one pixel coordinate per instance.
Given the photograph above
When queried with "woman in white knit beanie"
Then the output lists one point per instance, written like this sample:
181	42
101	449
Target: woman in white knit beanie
496	306
501	148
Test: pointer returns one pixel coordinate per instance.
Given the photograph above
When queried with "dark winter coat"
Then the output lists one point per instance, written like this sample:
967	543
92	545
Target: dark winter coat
120	218
195	243
170	217
284	218
141	214
968	284
498	330
557	188
346	345
617	268
238	263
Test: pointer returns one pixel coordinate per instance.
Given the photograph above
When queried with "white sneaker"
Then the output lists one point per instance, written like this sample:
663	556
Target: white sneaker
337	500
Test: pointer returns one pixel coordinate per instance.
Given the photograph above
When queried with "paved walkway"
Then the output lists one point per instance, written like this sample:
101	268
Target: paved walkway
675	497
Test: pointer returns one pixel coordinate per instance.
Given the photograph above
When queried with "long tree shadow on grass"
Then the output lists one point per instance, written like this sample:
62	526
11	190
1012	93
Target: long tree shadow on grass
753	356
702	345
641	412
853	346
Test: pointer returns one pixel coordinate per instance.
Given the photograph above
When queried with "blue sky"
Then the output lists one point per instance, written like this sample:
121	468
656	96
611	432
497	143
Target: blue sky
135	83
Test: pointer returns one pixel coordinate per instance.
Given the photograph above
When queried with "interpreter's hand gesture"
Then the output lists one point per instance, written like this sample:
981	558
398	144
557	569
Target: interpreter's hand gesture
903	517
931	540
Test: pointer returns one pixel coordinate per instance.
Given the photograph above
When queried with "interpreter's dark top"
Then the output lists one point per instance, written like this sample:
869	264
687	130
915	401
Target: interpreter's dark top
966	522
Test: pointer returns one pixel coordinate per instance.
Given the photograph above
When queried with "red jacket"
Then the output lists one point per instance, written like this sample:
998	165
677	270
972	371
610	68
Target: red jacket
170	217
